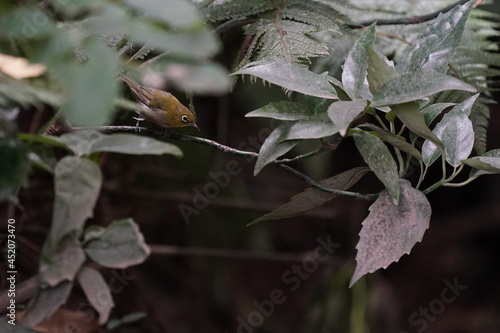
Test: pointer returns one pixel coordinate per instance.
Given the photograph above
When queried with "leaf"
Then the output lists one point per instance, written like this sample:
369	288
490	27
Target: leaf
127	319
417	85
121	245
356	65
488	163
45	303
436	46
342	113
282	110
179	14
312	197
14	164
380	161
456	132
380	70
290	77
314	127
92	85
204	78
88	142
97	292
273	147
390	230
395	141
77	185
431	112
61	264
411	116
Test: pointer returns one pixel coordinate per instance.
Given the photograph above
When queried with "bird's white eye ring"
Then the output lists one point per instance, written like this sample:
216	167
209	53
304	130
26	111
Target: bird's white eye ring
185	119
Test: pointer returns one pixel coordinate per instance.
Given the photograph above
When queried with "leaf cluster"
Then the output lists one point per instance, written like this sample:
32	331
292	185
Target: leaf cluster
372	86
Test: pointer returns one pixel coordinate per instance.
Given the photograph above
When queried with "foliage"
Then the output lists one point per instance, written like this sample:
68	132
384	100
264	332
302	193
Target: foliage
409	92
444	74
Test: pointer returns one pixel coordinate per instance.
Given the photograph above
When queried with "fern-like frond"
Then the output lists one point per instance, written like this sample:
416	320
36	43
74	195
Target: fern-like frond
289	40
230	9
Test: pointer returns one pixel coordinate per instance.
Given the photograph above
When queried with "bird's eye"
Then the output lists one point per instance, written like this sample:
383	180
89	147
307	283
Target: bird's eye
185	119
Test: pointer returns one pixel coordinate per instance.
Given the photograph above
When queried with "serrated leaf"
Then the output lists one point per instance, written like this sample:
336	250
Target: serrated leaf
121	245
282	110
380	70
88	142
45	303
488	163
390	230
290	77
97	291
312	197
314	127
77	185
436	46
456	132
62	263
356	65
409	113
342	113
395	140
273	147
380	161
415	86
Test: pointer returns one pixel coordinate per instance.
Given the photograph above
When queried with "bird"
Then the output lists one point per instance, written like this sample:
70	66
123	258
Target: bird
160	107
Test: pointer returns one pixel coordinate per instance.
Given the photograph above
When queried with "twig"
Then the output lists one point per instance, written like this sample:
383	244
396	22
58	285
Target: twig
169	250
232	151
409	20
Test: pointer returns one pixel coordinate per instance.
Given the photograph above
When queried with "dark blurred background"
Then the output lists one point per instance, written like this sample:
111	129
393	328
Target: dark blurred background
211	273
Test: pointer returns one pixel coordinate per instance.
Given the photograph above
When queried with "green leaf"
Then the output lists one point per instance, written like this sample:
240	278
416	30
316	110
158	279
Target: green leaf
394	140
97	292
356	64
77	185
14	164
127	319
456	132
204	78
431	112
273	147
290	77
121	245
312	197
417	85
45	303
180	14
380	161
380	70
88	142
342	113
61	264
282	110
314	127
436	46
390	230
409	113
92	86
488	163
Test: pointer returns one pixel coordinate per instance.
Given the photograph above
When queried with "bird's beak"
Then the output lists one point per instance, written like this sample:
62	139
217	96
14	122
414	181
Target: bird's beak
194	125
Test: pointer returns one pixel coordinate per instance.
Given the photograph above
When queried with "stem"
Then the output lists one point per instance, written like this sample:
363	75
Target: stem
233	151
462	183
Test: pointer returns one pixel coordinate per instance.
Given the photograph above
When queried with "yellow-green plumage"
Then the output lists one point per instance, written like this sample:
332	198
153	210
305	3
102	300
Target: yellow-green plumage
161	107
